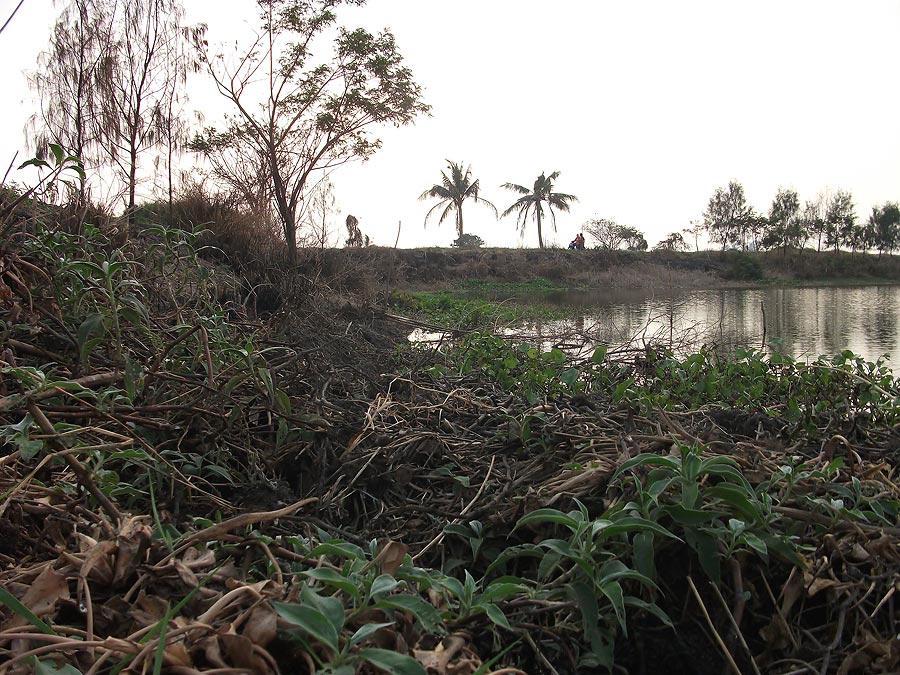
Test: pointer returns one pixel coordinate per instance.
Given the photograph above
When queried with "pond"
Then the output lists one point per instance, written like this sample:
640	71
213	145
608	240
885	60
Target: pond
800	322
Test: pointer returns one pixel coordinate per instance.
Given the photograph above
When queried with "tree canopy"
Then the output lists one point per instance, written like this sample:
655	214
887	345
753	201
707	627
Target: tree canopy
317	111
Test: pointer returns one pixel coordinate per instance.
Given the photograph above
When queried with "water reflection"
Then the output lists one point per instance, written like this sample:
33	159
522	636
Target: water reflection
799	322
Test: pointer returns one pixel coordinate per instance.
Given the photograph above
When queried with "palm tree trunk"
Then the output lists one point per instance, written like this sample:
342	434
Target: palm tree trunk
540	237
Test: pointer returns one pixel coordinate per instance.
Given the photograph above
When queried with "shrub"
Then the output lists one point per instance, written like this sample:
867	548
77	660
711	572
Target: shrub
742	267
468	241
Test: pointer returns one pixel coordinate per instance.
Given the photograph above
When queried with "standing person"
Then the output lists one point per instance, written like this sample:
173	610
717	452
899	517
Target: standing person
579	241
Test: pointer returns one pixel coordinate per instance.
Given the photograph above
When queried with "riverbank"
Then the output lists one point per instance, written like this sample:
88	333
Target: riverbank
193	483
436	268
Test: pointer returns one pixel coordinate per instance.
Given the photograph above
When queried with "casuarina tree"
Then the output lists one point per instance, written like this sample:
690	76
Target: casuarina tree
533	200
454	189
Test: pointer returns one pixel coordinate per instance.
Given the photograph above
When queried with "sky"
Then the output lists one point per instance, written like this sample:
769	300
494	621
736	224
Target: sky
644	107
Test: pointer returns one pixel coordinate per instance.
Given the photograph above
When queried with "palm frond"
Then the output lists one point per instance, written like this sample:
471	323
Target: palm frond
432	210
516	188
450	208
518	205
434	191
561	201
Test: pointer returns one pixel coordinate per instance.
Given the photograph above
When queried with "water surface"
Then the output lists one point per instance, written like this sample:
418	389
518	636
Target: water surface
800	322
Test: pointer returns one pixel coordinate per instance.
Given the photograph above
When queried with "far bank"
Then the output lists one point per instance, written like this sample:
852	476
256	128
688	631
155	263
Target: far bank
429	268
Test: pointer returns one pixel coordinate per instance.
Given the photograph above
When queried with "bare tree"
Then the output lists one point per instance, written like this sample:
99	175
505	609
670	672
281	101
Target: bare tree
66	83
695	230
316	215
136	82
315	113
181	59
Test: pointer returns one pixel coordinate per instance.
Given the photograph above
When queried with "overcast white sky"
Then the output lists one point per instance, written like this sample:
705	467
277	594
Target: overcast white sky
645	107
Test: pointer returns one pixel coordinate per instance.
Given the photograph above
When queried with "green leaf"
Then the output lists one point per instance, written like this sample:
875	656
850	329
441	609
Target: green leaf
629	524
266	377
58	152
367	631
28	448
548	516
495	614
310	620
331	607
50	668
282	402
707	552
646	459
690	517
645	554
613	592
339	548
650	607
548	562
503	590
755	543
383	585
333	578
559	546
569	376
616	570
584	597
232	383
742	501
423	611
392	662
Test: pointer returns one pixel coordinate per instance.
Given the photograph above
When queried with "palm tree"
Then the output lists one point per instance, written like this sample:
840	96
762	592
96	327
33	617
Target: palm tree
453	191
533	200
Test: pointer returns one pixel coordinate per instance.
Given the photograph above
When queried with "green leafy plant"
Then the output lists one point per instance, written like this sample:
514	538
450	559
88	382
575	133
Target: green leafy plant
708	502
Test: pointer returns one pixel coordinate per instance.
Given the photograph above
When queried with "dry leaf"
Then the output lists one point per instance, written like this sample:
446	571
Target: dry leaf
820	584
132	542
260	625
176	654
98	562
48	588
391	557
239	651
792	591
212	651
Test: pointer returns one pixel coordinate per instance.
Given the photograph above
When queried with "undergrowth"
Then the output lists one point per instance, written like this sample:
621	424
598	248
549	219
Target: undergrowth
497	506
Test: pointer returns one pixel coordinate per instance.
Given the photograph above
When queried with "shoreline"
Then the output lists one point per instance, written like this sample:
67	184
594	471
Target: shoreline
388	269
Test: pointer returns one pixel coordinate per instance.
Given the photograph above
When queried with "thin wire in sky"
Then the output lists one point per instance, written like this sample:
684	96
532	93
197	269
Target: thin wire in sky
6	23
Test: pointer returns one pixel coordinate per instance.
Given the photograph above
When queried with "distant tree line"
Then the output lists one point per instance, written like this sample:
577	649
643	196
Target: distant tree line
829	220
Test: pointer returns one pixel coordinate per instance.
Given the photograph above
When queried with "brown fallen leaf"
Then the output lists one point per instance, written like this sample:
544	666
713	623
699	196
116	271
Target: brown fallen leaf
48	588
212	651
260	625
240	654
132	543
98	563
452	656
391	557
